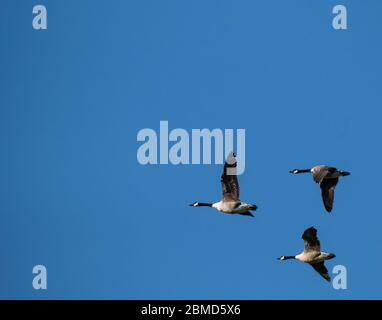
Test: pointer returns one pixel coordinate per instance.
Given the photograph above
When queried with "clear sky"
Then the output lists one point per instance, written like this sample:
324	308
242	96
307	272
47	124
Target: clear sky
74	198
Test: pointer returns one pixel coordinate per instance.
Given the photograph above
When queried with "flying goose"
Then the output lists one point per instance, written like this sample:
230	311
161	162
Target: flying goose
230	202
312	253
327	177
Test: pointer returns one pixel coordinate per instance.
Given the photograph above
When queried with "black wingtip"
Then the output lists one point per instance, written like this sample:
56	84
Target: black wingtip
247	213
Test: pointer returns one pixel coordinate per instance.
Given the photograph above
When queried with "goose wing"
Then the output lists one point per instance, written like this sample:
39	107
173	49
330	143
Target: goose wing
311	242
320	172
230	184
327	192
322	270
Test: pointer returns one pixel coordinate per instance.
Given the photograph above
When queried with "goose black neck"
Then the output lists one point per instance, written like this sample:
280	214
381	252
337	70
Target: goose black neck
303	171
289	257
203	204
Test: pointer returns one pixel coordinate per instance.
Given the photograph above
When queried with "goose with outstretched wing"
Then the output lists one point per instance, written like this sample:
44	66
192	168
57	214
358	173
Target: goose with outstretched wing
327	177
230	202
312	253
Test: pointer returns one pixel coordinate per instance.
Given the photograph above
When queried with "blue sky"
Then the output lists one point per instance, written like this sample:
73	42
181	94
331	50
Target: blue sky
74	198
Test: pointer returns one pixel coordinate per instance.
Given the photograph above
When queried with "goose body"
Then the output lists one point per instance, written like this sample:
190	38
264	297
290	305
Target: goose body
312	253
233	206
230	202
327	177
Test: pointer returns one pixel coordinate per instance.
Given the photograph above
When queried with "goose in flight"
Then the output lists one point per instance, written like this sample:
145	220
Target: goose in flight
327	177
230	202
312	253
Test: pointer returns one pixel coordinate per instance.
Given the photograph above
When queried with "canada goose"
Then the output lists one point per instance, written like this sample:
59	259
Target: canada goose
312	253
327	177
230	202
